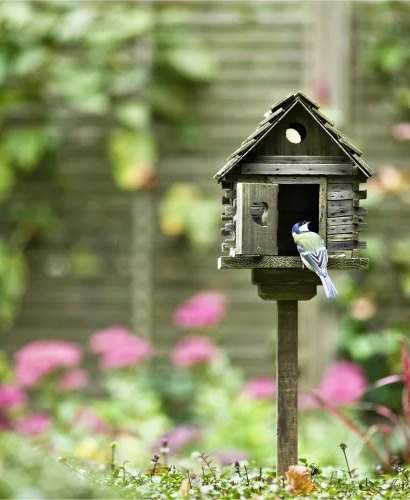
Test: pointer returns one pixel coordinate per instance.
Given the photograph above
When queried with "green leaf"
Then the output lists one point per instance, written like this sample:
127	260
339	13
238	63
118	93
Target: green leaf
16	15
133	156
133	114
30	60
193	63
175	207
75	24
203	222
25	146
6	177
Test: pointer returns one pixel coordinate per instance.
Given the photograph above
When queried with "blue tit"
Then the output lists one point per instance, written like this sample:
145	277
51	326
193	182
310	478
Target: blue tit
313	253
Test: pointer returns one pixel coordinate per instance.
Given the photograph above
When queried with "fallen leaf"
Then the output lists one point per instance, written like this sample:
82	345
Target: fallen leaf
158	470
184	488
298	478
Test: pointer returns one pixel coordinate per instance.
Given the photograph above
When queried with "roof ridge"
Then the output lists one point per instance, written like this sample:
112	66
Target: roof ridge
273	116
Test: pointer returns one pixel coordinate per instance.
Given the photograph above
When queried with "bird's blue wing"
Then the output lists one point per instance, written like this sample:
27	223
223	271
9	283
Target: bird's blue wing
316	261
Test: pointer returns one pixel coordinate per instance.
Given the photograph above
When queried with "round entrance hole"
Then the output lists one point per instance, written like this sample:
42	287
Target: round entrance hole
295	133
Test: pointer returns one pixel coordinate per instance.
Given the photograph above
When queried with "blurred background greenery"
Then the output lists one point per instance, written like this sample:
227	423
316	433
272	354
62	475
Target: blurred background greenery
114	117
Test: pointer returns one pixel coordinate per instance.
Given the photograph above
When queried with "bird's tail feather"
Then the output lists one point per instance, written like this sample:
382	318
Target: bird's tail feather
329	287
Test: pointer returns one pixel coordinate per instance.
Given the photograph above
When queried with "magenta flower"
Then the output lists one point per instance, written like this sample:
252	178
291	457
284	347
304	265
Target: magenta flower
72	380
260	388
119	348
34	425
343	383
180	437
203	310
11	397
306	401
88	419
194	349
41	357
104	340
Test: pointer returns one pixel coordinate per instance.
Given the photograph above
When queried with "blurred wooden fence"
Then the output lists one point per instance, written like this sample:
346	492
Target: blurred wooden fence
286	46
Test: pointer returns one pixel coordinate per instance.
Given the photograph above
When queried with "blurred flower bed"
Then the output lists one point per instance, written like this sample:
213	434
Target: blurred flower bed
199	401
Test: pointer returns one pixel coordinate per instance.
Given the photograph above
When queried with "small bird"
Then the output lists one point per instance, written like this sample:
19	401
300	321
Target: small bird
313	253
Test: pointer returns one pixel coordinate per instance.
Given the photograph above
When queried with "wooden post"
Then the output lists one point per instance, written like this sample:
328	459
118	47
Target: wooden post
287	380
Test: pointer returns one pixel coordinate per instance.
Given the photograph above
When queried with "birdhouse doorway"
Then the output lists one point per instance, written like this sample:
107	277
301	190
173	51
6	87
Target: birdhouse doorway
296	202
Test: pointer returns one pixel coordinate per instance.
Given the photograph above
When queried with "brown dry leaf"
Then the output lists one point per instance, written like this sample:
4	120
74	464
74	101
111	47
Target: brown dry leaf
184	488
158	470
298	478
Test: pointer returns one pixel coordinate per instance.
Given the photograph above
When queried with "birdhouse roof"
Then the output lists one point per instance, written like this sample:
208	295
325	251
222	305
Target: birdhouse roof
275	114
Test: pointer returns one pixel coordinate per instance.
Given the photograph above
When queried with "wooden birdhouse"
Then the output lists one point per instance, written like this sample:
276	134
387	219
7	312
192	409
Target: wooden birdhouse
295	166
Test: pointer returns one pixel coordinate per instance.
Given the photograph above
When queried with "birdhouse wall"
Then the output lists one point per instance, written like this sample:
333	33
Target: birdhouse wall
332	204
345	216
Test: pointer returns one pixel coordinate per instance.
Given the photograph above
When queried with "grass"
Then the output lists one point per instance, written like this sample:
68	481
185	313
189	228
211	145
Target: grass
29	472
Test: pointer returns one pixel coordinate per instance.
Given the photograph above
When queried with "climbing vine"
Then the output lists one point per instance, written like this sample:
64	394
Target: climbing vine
124	63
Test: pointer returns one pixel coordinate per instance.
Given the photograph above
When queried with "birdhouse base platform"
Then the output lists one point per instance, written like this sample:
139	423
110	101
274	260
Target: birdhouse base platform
278	262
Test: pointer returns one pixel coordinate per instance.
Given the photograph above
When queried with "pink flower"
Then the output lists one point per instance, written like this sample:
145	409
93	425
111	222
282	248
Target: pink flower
401	131
306	401
119	348
11	397
194	349
343	383
88	419
203	310
34	425
72	380
260	388
180	437
105	340
41	357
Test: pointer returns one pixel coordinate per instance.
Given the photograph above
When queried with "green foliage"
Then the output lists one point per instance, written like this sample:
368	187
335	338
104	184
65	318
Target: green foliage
29	473
388	51
74	62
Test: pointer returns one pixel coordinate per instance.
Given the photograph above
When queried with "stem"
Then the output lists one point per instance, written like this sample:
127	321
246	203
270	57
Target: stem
343	447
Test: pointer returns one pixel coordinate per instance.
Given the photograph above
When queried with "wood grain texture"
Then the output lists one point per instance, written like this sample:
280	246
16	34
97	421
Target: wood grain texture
351	219
345	228
343	208
343	237
300	179
284	291
301	169
287	383
304	160
277	262
253	238
323	208
285	276
345	245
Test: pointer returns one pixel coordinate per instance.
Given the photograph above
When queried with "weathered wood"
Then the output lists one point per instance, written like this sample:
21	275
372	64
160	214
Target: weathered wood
309	100
300	179
343	237
282	102
230	211
345	245
287	383
285	276
226	217
351	219
347	195
271	116
323	208
345	228
350	146
257	235
243	147
323	117
230	226
343	208
279	262
300	169
226	200
238	177
303	160
258	131
284	291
